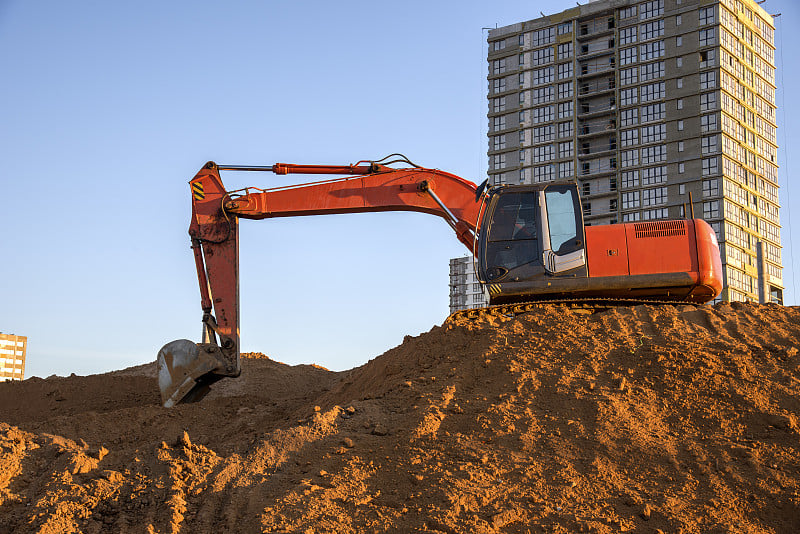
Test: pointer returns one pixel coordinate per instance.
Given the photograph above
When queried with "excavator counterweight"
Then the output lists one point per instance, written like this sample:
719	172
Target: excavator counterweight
529	242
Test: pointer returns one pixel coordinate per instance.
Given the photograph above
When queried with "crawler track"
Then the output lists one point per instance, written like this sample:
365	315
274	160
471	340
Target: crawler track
588	305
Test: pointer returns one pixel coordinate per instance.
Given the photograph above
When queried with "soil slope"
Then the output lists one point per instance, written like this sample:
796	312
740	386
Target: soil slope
639	419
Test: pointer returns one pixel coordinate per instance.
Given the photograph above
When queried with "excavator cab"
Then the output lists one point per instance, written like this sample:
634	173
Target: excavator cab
530	234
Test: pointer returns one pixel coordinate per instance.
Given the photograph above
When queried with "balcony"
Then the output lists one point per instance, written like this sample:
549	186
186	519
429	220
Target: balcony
601	48
597	87
596	28
586	111
588	71
596	128
587	170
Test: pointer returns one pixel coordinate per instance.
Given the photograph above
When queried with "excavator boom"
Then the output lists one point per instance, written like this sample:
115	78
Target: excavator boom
187	369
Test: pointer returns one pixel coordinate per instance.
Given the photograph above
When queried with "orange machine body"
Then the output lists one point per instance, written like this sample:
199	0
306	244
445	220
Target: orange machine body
650	248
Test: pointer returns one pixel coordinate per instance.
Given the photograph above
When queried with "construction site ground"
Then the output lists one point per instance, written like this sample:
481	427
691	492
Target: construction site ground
671	419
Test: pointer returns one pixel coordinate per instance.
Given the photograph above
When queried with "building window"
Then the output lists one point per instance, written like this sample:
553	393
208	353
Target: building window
542	114
566	149
565	70
680	148
565	90
654	134
499	123
629	137
653	112
711	209
708	123
711	188
708	80
627	56
710	166
543	173
650	51
630	179
651	30
680	126
498	161
708	144
628	96
542	95
707	58
498	85
566	169
681	168
627	35
565	50
651	71
707	37
654	154
498	142
543	133
522	116
654	175
630	158
542	56
564	28
627	12
679	62
630	200
565	129
678	20
679	41
565	110
679	83
498	104
629	117
654	197
543	153
653	8
498	66
498	45
707	15
541	76
653	91
628	76
543	37
679	103
661	213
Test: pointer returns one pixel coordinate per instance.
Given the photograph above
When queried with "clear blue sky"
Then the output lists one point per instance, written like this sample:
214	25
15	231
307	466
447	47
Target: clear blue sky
107	109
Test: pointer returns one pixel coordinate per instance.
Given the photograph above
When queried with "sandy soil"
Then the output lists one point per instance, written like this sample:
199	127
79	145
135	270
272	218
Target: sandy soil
639	419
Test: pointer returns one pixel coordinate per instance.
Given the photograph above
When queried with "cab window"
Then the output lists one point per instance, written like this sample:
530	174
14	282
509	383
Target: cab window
562	219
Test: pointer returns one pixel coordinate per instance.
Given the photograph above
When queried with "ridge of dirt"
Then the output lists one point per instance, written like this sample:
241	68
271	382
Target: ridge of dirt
640	419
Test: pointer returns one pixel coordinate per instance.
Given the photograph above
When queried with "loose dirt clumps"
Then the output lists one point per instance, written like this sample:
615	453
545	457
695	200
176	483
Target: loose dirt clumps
640	419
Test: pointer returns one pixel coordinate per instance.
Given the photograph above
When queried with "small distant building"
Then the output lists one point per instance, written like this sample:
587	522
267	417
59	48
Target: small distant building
12	356
465	288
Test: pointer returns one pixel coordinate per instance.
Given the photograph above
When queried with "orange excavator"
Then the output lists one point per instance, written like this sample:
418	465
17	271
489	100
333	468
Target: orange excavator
529	243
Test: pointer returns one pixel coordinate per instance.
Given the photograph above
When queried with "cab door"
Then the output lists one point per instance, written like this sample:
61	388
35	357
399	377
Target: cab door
563	237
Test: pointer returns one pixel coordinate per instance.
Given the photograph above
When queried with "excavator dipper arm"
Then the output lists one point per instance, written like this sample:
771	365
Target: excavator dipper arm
186	369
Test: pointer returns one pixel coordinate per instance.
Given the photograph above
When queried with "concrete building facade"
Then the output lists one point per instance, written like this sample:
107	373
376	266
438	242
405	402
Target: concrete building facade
12	356
658	109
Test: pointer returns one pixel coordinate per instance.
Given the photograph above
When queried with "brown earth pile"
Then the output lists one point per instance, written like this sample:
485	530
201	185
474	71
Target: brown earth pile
644	419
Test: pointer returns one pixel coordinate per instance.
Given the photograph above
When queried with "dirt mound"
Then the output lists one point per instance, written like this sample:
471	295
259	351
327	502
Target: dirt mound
646	419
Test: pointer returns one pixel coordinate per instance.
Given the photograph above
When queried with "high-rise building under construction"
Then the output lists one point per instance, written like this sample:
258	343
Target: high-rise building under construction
658	109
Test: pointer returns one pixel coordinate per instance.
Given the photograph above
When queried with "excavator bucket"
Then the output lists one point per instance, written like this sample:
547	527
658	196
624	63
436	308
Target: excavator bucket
185	371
